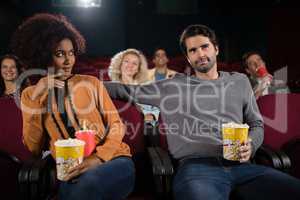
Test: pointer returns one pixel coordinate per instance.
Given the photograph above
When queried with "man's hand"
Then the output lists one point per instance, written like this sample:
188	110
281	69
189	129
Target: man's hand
245	151
89	162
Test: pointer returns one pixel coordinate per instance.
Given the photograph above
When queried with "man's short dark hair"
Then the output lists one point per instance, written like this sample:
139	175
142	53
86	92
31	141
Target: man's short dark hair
158	48
194	30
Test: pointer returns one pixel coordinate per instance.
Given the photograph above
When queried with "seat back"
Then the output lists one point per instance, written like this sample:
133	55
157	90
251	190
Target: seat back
134	137
281	114
11	129
87	70
101	74
12	150
134	121
9	168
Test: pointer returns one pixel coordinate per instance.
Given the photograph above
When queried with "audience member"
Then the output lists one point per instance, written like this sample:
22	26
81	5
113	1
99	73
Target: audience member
54	107
131	67
261	80
11	68
193	109
160	70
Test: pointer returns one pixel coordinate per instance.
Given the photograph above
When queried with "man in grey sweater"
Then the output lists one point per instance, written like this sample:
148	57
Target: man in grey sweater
193	110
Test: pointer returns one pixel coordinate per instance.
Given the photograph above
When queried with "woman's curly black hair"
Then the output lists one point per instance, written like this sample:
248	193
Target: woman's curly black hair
36	39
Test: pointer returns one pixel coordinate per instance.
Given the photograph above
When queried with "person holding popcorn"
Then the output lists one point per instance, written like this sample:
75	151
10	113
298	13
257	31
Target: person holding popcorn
55	107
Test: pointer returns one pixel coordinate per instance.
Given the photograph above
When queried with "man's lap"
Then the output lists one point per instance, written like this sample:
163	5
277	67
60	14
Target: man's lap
223	176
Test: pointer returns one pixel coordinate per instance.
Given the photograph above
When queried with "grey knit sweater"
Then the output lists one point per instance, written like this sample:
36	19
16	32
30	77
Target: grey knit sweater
193	110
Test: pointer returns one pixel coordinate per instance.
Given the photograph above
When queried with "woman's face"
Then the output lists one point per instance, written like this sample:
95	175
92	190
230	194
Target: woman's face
9	70
64	57
130	65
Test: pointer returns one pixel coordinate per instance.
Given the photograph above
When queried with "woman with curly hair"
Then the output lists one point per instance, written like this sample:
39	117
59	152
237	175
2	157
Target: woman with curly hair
54	108
11	68
130	67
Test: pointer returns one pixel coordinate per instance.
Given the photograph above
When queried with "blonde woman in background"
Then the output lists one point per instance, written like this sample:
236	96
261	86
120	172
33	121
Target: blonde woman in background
130	67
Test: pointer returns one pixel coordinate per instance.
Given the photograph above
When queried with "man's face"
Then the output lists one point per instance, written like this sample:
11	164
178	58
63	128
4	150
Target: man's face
201	53
253	63
160	58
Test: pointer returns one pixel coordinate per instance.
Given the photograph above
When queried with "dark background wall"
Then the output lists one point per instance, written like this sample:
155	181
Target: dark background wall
148	25
145	24
103	28
270	26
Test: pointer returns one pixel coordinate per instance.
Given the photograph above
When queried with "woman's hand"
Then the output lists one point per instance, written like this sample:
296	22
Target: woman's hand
89	162
46	83
149	117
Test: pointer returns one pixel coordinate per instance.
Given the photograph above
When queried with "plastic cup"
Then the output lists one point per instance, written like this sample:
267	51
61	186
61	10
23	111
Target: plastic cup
233	136
262	71
88	136
69	153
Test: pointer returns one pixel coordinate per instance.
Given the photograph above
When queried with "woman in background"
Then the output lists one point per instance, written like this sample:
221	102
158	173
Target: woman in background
11	68
130	67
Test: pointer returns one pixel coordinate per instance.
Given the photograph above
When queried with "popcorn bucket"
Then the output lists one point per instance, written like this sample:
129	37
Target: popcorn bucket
69	153
233	136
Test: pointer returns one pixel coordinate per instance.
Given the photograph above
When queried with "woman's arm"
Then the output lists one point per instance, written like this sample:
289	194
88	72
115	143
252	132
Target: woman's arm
32	110
150	94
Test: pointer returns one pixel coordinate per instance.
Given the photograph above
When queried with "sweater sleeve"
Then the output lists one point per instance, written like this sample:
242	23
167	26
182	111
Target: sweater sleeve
149	94
253	117
32	110
114	125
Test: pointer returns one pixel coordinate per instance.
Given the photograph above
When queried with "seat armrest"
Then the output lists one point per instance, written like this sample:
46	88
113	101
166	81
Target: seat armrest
10	163
163	170
10	157
285	160
265	155
287	149
161	161
152	134
166	160
37	177
157	166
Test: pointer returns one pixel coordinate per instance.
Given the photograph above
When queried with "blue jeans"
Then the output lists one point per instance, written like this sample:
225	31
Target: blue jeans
113	180
215	179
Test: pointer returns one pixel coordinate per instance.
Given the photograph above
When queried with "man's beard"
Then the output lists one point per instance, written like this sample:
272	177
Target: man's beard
206	67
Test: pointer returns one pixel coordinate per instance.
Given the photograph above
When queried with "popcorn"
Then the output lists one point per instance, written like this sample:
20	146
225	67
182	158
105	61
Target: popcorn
233	136
234	125
70	142
69	153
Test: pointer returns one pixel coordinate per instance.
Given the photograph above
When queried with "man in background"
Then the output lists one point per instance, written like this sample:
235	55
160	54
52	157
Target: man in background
161	70
262	81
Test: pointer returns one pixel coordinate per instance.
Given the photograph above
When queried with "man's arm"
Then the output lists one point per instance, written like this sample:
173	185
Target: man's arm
253	118
150	94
